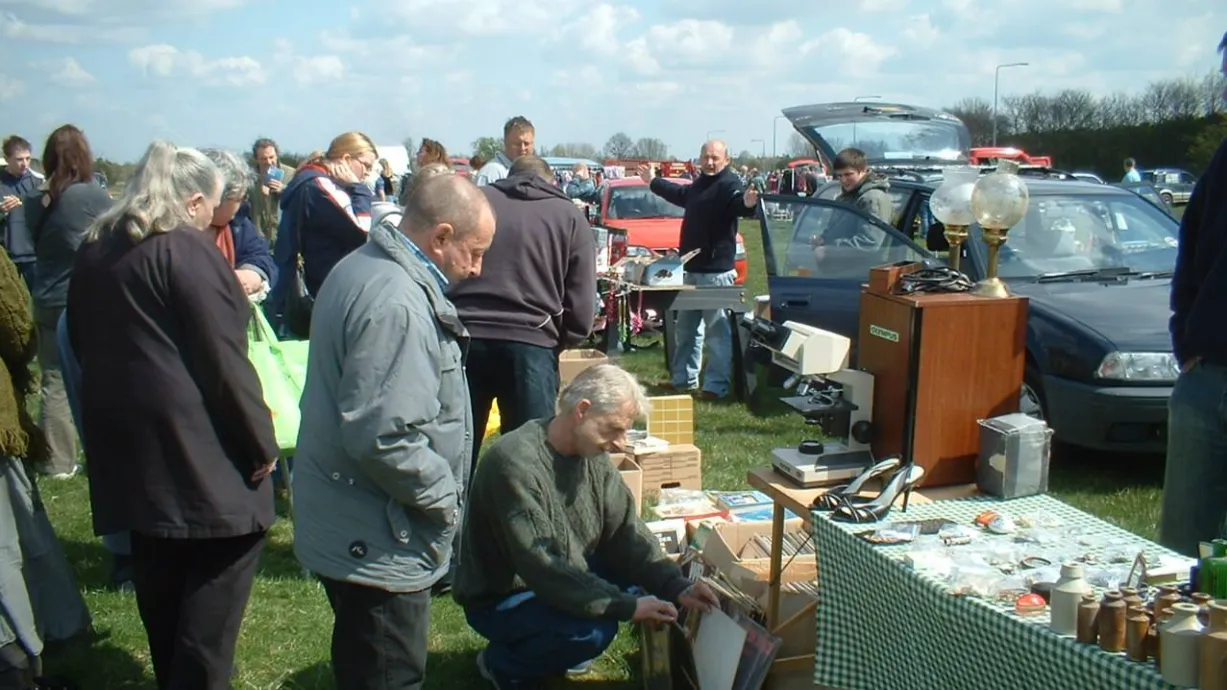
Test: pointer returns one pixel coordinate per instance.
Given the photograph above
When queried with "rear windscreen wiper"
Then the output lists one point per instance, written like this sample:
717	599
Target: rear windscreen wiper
1111	272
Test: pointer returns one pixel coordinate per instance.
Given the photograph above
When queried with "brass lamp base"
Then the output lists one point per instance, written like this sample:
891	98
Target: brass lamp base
991	287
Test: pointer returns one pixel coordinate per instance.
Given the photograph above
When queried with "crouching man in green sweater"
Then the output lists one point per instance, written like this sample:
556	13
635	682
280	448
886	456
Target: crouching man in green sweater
554	554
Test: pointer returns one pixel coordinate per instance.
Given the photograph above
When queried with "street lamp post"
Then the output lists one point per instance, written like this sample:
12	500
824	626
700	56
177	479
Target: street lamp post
763	144
996	83
775	151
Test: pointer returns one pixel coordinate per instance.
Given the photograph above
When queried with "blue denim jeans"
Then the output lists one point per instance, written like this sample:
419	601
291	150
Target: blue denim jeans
694	329
522	377
1195	484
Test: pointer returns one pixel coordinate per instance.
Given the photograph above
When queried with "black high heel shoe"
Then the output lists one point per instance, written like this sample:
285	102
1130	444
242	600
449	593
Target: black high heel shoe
903	482
841	495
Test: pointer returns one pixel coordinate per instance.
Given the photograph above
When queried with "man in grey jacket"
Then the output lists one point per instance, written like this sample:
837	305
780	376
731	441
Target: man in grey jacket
387	432
865	190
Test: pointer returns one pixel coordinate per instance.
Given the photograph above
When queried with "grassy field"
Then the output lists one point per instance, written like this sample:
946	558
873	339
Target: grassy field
286	633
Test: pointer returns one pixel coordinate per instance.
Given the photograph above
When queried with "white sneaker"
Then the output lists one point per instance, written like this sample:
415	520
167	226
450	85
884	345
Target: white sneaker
76	469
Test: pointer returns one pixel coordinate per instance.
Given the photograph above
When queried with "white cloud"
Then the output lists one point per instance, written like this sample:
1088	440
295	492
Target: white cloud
16	29
1111	6
850	52
596	31
883	5
103	10
478	17
318	68
10	87
921	32
69	73
164	60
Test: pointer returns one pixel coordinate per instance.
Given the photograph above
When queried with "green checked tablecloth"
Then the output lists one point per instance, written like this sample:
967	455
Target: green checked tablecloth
882	626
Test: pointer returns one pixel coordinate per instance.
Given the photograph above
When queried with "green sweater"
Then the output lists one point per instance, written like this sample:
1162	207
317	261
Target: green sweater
536	518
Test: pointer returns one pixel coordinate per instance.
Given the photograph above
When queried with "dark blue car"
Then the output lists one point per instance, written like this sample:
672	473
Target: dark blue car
1095	261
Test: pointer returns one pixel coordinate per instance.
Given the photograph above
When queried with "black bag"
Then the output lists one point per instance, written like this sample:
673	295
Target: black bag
299	303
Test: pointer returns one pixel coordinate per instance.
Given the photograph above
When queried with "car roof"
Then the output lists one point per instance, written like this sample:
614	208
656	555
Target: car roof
638	181
1035	187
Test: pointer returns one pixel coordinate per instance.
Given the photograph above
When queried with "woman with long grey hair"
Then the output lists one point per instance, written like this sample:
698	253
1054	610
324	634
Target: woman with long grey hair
178	437
236	235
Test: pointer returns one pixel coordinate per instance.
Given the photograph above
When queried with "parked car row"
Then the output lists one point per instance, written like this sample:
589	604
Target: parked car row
1094	260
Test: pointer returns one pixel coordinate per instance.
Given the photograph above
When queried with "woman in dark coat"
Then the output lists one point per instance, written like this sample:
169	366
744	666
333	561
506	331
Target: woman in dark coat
178	436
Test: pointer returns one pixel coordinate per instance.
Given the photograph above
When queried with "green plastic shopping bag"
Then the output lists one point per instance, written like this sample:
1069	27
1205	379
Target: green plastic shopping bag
282	368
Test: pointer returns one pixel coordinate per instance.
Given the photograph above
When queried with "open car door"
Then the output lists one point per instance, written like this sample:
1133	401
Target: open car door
818	254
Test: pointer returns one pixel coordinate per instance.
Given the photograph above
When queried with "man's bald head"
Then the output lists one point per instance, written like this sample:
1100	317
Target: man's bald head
531	165
451	221
713	157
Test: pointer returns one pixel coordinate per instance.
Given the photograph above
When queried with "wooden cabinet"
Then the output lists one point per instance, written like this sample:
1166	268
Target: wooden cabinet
941	362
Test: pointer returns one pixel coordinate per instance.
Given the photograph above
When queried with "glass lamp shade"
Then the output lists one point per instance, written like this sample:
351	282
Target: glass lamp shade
951	201
999	200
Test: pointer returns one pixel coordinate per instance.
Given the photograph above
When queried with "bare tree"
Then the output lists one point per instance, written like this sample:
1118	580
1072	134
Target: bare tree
1072	109
651	148
574	150
977	116
619	145
1211	90
798	147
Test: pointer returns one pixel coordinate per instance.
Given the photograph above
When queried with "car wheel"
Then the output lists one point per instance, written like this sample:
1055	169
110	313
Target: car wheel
1031	398
1167	198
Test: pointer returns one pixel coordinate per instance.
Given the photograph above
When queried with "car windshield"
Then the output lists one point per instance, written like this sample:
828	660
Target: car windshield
628	203
898	139
1082	233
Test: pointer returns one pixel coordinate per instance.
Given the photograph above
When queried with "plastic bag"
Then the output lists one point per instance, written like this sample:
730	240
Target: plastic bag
282	368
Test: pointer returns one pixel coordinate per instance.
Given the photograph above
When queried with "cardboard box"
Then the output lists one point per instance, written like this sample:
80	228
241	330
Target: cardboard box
632	475
571	362
678	466
672	418
723	548
800	639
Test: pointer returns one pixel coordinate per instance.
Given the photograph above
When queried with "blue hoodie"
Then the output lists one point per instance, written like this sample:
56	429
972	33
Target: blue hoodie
335	221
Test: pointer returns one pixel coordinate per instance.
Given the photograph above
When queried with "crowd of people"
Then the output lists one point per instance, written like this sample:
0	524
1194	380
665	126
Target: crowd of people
419	316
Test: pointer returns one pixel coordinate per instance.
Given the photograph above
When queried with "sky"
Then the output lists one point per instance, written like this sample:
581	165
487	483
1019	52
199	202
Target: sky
224	72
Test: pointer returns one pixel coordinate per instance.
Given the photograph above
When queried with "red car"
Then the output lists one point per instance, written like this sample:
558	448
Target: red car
460	165
651	223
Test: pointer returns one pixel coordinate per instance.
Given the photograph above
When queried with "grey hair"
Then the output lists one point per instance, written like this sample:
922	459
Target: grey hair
237	175
447	199
154	199
424	173
608	388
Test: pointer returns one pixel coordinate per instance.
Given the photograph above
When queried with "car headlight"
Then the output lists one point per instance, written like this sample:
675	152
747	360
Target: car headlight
1139	366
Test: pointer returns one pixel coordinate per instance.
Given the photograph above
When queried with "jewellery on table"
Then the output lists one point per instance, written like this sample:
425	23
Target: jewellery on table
839	495
1031	562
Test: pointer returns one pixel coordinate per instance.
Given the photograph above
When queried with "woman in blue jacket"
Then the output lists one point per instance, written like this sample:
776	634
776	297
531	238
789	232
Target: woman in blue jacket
325	215
233	230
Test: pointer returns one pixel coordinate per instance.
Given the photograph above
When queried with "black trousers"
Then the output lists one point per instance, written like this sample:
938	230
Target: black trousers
523	378
379	638
191	594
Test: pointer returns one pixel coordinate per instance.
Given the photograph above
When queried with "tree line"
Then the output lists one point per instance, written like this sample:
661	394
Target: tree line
1174	122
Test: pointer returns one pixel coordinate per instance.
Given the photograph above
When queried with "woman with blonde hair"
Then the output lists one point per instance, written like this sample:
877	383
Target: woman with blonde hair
385	184
178	437
325	215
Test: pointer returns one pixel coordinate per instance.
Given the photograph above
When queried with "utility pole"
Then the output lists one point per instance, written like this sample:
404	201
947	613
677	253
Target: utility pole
996	83
775	151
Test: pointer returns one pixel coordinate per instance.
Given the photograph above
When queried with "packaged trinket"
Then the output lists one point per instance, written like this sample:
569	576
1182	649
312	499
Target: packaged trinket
1002	524
983	519
1029	605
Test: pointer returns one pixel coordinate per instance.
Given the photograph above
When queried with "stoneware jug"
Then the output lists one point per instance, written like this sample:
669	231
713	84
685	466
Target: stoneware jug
1112	614
1066	596
1180	640
1213	674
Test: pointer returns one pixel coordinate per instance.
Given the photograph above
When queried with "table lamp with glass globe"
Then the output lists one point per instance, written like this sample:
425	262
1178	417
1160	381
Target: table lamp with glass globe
998	202
951	206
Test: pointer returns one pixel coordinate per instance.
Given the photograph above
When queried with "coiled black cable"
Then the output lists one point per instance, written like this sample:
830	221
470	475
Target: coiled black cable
937	279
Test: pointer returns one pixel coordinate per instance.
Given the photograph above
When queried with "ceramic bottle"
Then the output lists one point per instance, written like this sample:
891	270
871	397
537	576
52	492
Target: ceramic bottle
1066	596
1203	607
1112	614
1213	674
1136	629
1180	641
1160	623
1088	619
1132	600
1167	596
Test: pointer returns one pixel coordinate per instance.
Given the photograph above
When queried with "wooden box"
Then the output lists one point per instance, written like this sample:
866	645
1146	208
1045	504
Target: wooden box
572	362
941	362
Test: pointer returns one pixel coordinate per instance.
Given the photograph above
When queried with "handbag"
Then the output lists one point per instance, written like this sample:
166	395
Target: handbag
281	366
299	303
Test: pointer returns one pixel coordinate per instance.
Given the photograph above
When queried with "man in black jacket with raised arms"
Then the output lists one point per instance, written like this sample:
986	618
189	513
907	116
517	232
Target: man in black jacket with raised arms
714	202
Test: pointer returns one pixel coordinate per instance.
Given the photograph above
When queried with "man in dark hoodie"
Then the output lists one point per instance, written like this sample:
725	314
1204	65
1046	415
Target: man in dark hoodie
713	203
1195	483
533	299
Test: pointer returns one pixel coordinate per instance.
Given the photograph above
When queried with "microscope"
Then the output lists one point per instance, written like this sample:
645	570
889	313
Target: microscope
836	399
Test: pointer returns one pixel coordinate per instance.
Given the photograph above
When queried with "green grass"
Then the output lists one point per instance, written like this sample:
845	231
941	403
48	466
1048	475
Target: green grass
287	629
